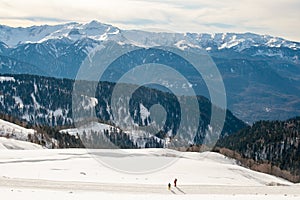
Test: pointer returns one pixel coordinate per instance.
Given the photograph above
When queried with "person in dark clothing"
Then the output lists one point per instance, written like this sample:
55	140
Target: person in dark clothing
169	186
175	182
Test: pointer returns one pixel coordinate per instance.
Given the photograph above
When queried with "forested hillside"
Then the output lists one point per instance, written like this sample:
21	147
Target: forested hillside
268	146
47	102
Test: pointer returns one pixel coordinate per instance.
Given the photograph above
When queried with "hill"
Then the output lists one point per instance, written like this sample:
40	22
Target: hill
267	146
45	104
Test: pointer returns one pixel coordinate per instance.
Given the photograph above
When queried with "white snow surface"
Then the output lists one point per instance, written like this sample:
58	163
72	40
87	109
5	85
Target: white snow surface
18	101
82	166
17	145
36	194
76	174
6	78
144	113
14	130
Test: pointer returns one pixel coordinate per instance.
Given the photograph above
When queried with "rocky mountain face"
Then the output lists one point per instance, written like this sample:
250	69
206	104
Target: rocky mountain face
261	73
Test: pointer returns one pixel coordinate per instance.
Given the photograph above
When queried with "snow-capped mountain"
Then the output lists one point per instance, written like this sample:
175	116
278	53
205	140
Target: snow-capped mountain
218	41
94	30
72	31
58	45
251	65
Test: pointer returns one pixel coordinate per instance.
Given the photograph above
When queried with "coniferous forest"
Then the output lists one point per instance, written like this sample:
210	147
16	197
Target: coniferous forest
268	146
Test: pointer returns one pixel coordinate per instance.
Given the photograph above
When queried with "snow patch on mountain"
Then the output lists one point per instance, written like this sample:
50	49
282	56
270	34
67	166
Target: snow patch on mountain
36	103
93	126
88	102
269	53
19	102
6	78
183	45
145	114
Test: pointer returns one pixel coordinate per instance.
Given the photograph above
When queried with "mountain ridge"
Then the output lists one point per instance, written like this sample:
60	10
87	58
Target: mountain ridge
42	33
252	66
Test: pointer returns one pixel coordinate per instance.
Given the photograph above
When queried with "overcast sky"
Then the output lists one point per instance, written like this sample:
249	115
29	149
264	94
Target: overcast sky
274	17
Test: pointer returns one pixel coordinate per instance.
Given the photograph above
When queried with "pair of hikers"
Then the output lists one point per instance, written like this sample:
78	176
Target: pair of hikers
175	184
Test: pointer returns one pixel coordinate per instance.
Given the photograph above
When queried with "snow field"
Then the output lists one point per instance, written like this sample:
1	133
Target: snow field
80	174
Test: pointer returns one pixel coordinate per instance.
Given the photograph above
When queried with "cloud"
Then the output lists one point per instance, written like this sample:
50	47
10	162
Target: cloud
34	19
219	25
275	17
138	21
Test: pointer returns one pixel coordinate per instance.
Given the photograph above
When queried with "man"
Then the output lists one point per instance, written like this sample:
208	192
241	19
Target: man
175	182
169	186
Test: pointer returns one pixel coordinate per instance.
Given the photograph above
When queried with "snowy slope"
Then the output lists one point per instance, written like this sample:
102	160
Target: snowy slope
20	137
14	131
17	145
79	165
73	31
75	174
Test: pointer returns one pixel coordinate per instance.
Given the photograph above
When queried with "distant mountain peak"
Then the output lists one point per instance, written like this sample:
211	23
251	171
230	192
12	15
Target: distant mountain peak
98	31
95	24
